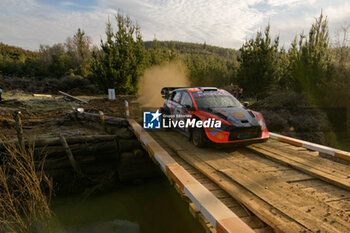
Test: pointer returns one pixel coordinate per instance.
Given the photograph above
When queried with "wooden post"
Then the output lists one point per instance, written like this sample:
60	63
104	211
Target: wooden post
102	118
126	109
70	155
19	129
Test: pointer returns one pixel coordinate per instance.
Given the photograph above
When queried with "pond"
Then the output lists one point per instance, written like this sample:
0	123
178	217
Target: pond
153	207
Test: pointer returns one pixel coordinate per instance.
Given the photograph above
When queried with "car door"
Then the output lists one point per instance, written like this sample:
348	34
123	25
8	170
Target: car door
177	108
169	104
186	106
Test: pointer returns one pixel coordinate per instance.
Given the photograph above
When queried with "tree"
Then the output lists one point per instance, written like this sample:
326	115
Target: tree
78	48
53	60
310	58
258	68
122	60
158	54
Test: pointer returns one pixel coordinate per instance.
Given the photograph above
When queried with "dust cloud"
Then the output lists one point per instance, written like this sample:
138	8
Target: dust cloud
155	78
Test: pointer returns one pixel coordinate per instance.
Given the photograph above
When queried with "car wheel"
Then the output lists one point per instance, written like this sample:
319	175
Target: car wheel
198	137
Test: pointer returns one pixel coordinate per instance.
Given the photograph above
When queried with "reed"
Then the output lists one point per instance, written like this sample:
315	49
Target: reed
25	191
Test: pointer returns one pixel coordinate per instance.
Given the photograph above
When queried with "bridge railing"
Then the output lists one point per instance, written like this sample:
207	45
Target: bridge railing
312	146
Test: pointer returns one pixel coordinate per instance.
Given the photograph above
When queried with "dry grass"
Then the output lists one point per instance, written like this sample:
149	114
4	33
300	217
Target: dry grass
23	202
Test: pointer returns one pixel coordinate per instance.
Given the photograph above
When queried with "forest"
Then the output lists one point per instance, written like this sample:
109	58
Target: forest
315	65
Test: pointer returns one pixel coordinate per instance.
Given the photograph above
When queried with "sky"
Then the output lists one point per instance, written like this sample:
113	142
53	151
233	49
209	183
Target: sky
225	23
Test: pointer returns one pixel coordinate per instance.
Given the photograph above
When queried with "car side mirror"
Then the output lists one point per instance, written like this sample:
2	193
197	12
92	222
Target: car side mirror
246	104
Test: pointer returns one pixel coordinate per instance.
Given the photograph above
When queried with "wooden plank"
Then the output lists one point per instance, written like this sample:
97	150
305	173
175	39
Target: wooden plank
290	203
260	164
240	212
72	97
210	185
296	207
272	216
307	165
229	202
225	198
307	158
273	191
42	95
264	230
275	218
193	210
220	193
276	193
253	221
288	200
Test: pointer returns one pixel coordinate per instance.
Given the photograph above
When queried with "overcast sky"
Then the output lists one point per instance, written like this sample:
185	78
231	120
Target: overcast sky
226	23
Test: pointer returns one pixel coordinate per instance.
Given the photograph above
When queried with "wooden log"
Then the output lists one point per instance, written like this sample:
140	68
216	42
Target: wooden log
44	121
42	95
70	155
41	142
78	140
116	121
14	101
63	162
81	150
72	97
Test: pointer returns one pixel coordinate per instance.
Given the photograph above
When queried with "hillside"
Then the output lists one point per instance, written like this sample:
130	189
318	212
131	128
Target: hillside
15	52
195	48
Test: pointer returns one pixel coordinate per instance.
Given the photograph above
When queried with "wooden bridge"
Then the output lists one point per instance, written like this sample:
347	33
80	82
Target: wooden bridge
283	185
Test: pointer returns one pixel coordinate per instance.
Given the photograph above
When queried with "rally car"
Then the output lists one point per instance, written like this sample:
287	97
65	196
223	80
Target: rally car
239	125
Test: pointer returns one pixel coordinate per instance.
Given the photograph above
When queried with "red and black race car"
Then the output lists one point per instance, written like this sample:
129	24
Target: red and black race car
239	125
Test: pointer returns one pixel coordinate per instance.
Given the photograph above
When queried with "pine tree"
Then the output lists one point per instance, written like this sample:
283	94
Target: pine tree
122	59
78	48
258	68
310	59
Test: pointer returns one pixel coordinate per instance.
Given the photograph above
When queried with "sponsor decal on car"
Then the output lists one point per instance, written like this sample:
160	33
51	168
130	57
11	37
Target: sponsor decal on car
238	115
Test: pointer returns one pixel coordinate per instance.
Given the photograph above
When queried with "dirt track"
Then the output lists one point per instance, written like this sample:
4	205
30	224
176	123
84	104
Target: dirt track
46	116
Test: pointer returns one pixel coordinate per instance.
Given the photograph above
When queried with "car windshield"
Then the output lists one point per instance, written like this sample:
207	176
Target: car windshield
216	101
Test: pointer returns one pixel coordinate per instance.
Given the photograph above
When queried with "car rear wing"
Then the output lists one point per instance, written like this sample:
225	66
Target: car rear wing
165	92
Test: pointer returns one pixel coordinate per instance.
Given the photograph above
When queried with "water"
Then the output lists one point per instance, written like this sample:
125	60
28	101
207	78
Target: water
153	207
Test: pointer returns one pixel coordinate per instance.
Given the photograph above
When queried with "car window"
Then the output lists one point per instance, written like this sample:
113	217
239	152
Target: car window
186	99
216	100
177	97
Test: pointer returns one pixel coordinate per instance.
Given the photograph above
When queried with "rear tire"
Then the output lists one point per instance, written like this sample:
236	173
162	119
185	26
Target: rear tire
198	137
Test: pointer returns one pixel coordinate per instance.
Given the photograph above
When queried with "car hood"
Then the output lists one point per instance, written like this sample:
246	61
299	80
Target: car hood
237	116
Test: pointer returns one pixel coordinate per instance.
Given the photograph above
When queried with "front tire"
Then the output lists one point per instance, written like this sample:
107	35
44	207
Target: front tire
198	137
